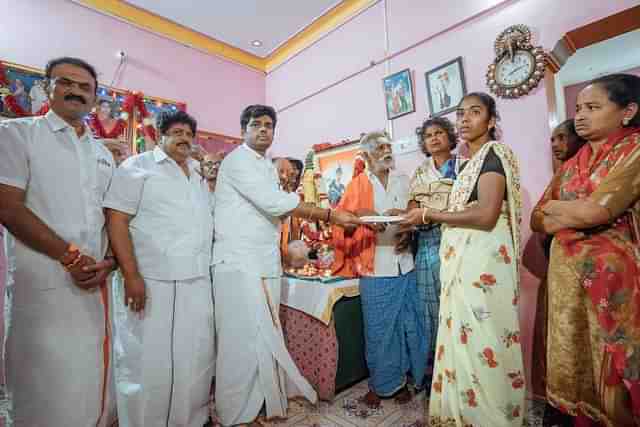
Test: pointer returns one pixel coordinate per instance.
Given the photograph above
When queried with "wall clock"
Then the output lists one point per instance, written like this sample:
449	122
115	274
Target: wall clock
518	66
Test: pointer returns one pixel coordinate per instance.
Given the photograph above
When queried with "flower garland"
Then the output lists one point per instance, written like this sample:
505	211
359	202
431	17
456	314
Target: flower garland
11	102
12	105
147	122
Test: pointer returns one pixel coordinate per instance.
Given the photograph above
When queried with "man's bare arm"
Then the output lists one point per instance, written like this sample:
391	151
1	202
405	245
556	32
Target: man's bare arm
26	226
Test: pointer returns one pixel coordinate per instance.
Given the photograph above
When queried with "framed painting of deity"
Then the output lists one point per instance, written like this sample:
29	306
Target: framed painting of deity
445	87
25	85
107	119
398	94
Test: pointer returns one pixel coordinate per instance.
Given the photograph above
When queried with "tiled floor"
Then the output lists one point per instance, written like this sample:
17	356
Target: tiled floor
346	411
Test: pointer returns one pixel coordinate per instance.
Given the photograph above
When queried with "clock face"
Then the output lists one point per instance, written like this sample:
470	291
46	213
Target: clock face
513	72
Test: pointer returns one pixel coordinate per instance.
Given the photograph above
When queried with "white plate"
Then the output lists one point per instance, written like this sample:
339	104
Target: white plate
380	219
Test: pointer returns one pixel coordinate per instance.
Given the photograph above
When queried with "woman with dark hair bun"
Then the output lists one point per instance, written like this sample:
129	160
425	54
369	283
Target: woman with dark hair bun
430	187
592	209
479	374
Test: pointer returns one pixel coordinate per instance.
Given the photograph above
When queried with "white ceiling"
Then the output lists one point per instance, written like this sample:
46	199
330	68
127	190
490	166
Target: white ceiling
239	22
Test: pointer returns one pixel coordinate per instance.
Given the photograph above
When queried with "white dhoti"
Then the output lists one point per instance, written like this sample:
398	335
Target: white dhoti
253	364
164	360
57	373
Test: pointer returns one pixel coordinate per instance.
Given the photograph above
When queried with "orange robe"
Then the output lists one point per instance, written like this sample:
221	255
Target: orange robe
354	254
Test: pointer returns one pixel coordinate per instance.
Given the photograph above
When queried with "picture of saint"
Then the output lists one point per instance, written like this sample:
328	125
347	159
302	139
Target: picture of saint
336	188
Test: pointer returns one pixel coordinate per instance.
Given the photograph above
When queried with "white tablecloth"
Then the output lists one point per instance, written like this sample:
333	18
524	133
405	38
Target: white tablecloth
316	298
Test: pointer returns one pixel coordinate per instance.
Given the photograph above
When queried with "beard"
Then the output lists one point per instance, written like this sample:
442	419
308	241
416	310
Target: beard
385	164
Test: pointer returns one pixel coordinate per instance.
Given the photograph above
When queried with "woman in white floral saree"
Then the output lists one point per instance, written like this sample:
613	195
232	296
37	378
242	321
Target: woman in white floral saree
479	375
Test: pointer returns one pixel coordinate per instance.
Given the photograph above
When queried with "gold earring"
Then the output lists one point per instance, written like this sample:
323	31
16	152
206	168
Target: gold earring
625	121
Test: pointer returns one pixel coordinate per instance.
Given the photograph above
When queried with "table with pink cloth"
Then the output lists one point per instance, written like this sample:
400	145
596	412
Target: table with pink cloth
306	315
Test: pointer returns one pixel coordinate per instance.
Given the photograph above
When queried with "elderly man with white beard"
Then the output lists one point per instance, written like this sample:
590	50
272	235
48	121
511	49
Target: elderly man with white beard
395	340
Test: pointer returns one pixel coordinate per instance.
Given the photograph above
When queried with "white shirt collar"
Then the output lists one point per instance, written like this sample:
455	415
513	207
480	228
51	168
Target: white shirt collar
258	155
372	177
57	123
159	154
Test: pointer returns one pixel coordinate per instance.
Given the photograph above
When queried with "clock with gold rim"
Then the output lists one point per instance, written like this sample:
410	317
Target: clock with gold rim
518	66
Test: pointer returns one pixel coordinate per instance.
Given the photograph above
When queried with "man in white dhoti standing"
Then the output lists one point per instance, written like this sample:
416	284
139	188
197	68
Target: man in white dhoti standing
161	231
253	363
53	177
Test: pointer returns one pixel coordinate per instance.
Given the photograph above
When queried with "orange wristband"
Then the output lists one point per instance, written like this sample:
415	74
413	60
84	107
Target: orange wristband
70	256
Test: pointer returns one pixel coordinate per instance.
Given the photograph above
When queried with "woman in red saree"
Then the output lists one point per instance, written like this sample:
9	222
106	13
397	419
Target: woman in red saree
592	208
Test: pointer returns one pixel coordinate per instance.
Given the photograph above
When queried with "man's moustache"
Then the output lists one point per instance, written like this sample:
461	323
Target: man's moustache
75	98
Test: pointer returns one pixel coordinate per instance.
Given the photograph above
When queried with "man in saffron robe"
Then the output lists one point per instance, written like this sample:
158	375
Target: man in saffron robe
394	331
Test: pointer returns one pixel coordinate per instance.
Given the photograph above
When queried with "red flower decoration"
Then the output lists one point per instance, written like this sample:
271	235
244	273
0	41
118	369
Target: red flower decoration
489	357
516	379
488	279
471	398
437	385
504	254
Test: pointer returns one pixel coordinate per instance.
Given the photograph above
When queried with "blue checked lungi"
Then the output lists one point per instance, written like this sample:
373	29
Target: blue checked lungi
428	279
394	332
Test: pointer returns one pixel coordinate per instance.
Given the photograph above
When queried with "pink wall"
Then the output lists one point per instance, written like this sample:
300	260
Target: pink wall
330	92
571	92
214	89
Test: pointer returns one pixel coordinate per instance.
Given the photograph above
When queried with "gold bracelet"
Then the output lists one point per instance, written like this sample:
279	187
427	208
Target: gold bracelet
424	212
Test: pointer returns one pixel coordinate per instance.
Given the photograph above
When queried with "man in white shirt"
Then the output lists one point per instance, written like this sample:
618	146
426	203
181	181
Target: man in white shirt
395	340
161	230
253	363
53	177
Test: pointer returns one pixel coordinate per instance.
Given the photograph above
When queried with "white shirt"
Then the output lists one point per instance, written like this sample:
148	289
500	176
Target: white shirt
387	263
172	226
65	177
249	204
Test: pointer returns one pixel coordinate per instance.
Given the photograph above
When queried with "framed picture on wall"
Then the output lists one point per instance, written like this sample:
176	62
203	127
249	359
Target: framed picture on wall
26	85
336	165
28	97
398	94
445	87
